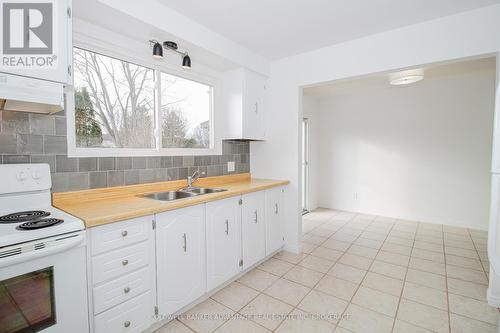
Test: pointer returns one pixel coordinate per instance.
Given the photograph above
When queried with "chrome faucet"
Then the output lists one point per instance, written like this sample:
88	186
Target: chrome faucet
191	179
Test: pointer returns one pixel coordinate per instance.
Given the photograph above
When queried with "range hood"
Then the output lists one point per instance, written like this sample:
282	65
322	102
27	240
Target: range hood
19	93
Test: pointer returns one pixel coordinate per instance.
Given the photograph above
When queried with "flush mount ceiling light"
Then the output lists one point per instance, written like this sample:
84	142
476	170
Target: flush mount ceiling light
406	77
171	46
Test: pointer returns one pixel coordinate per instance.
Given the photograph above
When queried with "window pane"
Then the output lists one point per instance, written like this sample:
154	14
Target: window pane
114	102
185	113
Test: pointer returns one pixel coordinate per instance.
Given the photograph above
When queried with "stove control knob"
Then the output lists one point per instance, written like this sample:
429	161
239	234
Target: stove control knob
21	176
35	175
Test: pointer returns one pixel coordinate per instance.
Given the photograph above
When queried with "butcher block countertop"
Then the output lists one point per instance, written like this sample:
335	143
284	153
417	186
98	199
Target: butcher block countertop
108	205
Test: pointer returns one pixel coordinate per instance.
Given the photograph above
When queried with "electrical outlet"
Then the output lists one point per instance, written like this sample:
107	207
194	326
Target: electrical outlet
230	166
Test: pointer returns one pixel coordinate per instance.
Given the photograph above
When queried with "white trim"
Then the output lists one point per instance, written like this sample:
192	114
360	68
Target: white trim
110	44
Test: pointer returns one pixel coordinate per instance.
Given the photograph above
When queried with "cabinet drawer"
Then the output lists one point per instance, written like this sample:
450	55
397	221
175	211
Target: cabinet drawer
121	289
119	262
115	235
133	316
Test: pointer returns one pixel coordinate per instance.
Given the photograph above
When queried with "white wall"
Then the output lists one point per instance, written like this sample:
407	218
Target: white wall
311	112
419	152
458	36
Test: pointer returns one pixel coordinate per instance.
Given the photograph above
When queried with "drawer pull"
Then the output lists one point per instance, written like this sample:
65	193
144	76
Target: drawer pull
125	262
256	218
124	233
276	208
184	246
126	324
227	227
126	290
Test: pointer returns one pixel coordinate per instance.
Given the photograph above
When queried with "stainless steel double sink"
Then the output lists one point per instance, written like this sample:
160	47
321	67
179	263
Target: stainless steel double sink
182	194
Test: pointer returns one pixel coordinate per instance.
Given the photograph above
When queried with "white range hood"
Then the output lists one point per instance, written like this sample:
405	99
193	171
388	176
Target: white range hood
19	93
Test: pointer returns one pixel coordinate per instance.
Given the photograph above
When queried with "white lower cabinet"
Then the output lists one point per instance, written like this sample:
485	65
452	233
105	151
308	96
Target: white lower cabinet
253	228
223	220
275	228
180	258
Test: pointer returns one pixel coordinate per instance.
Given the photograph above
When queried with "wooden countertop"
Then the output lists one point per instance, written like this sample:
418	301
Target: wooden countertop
108	205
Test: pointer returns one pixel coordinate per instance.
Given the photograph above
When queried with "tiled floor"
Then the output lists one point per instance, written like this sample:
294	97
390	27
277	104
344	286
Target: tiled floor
359	273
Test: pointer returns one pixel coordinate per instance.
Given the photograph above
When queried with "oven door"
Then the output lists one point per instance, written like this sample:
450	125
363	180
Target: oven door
45	289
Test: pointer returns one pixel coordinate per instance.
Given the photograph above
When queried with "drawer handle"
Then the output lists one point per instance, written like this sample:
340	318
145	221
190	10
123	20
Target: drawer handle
184	246
256	219
126	324
276	208
126	290
227	227
124	233
125	262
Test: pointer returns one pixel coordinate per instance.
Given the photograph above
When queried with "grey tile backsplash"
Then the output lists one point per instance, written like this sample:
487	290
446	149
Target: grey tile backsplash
34	138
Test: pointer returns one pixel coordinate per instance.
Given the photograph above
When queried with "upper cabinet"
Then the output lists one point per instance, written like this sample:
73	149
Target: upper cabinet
244	109
41	48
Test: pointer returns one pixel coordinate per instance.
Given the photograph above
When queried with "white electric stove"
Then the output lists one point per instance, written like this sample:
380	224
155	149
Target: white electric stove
43	286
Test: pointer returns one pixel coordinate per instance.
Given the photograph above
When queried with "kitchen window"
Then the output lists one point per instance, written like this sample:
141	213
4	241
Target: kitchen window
123	108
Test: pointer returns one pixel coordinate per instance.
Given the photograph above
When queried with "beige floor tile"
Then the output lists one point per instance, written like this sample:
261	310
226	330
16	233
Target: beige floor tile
337	287
336	244
276	266
307	247
428	246
468	289
344	237
301	322
206	316
290	257
174	326
455	237
323	232
348	273
460	324
399	241
396	248
241	325
404	327
316	263
383	283
426	279
428	255
473	308
402	234
464	262
341	330
391	270
363	251
325	253
313	239
287	291
427	266
258	279
361	320
466	274
468	245
425	295
266	311
372	243
355	261
471	254
423	316
376	301
393	258
321	304
373	235
235	296
303	276
456	230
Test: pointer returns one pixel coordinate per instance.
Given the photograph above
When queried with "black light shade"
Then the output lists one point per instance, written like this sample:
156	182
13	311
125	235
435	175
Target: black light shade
186	62
157	51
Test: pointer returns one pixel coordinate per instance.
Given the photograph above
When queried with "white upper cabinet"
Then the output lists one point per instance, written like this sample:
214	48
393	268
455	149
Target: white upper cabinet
180	256
244	109
54	34
253	228
223	240
274	219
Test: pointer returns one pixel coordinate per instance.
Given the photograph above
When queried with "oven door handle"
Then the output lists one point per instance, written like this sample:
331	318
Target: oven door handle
55	246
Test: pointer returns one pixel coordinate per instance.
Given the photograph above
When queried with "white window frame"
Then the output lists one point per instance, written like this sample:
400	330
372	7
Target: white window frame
139	58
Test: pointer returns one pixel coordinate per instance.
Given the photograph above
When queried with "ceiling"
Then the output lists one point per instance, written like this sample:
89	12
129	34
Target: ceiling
281	28
381	81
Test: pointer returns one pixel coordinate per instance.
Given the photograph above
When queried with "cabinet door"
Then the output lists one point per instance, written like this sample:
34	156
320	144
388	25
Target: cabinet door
274	219
253	228
180	246
223	240
253	107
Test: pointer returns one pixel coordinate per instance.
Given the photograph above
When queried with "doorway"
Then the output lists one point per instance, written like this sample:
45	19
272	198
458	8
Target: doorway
305	166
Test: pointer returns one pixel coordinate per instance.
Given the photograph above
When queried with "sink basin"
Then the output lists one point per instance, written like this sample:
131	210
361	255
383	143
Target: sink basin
170	195
202	190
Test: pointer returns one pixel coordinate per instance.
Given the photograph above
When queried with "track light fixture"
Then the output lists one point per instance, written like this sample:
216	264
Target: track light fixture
171	46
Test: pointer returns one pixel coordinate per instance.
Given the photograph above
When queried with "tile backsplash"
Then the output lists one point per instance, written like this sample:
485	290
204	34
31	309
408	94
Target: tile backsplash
35	138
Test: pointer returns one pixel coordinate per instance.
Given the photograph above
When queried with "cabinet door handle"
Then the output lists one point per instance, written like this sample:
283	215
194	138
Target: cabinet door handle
256	107
125	262
227	227
184	246
276	208
126	290
126	324
124	233
256	219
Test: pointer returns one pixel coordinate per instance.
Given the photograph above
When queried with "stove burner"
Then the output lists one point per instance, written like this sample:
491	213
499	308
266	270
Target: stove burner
23	216
37	224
